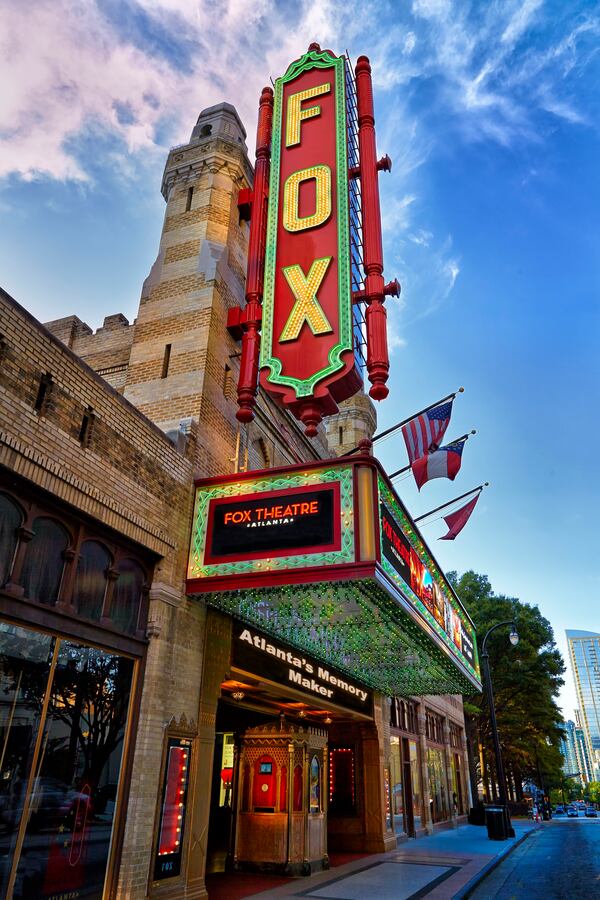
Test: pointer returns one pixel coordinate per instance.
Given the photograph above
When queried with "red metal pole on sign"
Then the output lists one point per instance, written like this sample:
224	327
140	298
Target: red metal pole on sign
248	379
378	363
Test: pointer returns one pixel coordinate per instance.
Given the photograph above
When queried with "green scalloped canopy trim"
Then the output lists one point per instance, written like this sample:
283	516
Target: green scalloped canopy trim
305	387
358	628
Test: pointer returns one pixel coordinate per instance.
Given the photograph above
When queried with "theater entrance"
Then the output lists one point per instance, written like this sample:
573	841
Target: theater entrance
288	777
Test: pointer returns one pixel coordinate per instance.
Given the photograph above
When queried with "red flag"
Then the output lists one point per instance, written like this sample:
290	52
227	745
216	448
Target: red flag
456	521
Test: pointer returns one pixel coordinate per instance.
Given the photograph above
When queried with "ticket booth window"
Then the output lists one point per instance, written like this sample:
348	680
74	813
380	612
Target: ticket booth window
264	788
342	789
315	785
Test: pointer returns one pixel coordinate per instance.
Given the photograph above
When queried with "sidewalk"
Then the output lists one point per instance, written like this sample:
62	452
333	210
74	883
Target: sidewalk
443	866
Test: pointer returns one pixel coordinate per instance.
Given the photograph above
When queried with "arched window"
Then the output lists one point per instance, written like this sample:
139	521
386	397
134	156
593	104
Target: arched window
127	596
44	561
10	521
90	579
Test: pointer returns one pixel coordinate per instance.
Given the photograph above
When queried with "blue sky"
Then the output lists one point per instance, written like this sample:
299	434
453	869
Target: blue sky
490	112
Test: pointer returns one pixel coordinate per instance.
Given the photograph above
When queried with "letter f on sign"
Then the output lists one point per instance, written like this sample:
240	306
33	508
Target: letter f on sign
307	307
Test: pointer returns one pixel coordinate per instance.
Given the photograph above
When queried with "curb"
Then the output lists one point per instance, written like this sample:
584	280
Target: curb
470	886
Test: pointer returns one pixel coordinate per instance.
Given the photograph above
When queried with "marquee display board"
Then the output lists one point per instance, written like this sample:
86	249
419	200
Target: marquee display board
307	355
325	557
273	522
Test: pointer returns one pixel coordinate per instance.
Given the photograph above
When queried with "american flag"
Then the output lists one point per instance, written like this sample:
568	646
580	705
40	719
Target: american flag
423	434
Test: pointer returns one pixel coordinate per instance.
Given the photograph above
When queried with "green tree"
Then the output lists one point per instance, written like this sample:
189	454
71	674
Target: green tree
526	681
592	791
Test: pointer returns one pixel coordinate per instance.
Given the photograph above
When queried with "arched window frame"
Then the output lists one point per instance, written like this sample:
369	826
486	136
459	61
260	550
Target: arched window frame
27	534
109	573
19	508
140	618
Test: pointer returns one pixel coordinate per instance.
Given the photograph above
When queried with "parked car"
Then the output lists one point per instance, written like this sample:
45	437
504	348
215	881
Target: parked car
560	810
591	813
572	812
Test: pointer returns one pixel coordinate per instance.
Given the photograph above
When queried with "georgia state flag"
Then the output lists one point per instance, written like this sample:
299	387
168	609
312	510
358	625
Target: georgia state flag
442	463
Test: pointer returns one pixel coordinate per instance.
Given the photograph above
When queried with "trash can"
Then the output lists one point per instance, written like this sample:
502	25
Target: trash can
495	819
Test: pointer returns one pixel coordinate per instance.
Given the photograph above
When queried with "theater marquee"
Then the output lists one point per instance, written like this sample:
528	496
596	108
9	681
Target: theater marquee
324	557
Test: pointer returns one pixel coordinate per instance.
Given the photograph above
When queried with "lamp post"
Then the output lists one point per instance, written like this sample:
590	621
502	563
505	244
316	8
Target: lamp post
485	659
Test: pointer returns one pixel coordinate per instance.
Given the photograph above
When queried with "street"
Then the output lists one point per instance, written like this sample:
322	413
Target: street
561	859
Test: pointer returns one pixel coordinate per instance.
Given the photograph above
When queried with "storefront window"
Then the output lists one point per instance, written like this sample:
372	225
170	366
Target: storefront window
458	803
396	786
25	659
90	582
44	561
438	800
416	782
62	743
10	521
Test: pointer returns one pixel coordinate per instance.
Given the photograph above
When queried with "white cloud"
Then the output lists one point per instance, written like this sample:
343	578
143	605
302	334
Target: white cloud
69	70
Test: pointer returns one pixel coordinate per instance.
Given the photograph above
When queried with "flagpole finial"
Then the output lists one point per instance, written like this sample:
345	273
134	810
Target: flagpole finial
486	484
461	390
474	431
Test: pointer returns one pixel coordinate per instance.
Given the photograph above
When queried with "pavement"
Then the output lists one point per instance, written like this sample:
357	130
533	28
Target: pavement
444	866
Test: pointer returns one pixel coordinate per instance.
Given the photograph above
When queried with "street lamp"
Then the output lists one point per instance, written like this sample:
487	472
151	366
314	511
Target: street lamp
485	659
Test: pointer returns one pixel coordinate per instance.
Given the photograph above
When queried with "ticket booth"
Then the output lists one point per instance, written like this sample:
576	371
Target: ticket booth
281	823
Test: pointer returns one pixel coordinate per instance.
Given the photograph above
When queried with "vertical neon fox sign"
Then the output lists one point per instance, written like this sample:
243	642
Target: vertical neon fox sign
301	300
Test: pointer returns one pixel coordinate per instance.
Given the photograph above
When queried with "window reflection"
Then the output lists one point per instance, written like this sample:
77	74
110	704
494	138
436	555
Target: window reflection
127	594
58	777
44	561
90	580
25	658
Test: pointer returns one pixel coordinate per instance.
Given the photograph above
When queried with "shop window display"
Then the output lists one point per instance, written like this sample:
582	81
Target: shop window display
438	794
63	720
44	561
397	786
10	521
416	782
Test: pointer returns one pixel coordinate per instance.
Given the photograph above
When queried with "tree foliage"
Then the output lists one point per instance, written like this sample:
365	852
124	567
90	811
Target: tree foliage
526	680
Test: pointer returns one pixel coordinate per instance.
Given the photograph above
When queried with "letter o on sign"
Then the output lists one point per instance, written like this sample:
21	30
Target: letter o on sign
291	220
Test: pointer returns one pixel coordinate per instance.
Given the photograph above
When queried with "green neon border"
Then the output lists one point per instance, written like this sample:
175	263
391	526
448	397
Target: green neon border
196	567
305	387
403	523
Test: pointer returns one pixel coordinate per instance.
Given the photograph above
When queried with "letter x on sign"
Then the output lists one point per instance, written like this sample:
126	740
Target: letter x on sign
307	307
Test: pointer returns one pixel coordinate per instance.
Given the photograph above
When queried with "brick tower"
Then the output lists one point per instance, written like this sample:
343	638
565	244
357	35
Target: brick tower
183	366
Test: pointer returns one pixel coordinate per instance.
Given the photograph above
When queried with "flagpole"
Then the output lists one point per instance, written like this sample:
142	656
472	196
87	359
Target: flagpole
450	502
459	440
406	421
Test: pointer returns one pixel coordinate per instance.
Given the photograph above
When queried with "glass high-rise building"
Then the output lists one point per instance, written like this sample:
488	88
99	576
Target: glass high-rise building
584	653
575	752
